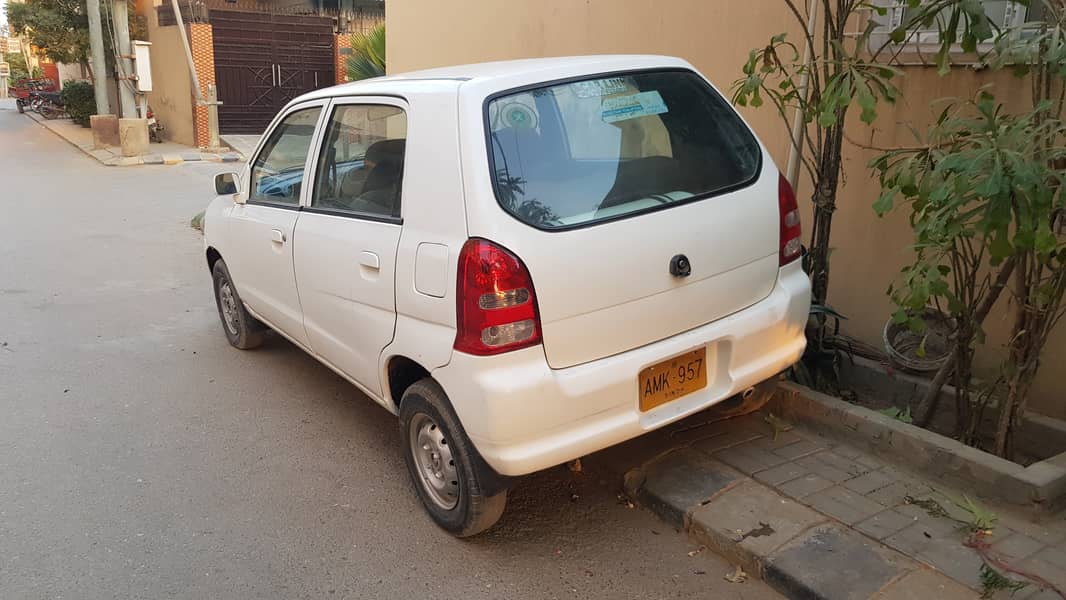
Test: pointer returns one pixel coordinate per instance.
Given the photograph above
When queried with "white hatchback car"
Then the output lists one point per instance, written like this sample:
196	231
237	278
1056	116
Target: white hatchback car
526	261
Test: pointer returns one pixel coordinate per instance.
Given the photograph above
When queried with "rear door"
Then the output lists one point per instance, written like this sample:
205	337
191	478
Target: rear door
610	180
260	255
346	240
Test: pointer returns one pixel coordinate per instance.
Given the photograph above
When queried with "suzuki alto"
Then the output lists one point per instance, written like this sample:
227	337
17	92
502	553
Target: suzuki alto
525	261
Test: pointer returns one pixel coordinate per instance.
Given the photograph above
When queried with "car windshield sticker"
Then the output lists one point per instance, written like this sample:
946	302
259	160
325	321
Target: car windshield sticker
598	87
519	116
630	107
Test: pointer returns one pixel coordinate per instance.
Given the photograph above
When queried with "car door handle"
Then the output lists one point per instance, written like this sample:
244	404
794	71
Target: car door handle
369	260
277	236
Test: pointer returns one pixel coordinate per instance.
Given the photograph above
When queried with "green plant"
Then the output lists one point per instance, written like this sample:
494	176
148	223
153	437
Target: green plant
368	54
57	28
79	101
831	72
903	415
19	70
984	192
993	581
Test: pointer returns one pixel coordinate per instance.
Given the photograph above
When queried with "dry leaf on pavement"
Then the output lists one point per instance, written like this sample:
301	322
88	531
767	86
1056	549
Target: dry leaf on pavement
737	576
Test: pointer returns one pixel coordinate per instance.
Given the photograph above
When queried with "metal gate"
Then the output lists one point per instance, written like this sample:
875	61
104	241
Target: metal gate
263	60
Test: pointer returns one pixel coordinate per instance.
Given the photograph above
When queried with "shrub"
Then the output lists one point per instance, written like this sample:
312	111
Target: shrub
80	103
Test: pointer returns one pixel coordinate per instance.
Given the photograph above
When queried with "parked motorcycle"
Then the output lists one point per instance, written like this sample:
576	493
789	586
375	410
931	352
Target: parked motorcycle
51	104
48	104
25	87
155	128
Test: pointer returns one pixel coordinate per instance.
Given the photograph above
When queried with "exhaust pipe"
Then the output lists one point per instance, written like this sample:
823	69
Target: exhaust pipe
748	393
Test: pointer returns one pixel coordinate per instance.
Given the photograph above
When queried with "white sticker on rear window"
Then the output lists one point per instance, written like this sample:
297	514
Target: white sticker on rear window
630	107
598	87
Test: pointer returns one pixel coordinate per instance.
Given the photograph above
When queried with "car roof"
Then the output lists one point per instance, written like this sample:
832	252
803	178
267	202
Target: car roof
496	76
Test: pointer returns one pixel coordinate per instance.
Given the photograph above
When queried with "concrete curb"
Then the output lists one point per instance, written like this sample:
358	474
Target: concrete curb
1040	486
109	158
798	551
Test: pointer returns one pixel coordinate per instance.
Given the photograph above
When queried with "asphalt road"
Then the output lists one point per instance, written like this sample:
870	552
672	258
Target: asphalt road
142	457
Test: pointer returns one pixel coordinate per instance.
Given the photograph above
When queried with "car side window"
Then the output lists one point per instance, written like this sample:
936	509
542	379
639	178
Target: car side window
360	168
278	170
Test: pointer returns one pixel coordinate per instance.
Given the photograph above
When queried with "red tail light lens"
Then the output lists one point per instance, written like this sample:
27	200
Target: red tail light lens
496	306
791	246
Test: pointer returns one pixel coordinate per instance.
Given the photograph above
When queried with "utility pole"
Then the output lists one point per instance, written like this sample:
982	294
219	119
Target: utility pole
123	61
96	49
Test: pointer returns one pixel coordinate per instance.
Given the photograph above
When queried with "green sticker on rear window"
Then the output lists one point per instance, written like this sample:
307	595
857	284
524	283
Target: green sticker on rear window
630	107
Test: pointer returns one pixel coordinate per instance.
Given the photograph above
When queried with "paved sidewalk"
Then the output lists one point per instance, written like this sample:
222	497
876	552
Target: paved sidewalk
242	144
167	153
819	519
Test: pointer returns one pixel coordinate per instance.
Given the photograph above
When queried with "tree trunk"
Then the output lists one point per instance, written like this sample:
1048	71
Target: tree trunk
927	407
824	206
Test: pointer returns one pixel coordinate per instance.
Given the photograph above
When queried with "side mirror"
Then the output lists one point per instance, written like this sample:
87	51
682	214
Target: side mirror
227	183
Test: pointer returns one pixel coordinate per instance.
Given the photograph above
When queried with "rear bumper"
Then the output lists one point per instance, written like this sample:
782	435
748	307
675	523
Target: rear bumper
524	416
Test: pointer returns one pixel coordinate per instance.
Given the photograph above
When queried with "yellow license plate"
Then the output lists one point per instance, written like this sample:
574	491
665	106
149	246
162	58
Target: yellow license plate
672	379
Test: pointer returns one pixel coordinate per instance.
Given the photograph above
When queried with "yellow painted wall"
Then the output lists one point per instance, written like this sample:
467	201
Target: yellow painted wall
716	37
171	96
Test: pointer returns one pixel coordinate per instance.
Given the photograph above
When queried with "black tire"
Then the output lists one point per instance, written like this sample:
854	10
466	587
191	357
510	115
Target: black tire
242	330
473	511
19	105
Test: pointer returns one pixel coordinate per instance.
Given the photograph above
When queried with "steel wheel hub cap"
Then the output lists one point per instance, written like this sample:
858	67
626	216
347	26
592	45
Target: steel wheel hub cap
433	458
228	304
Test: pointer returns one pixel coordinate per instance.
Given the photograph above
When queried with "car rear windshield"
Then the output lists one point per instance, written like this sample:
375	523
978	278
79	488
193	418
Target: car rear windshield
579	152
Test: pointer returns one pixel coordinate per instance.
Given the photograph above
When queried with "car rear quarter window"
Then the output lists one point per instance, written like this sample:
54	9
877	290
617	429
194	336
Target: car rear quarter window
575	153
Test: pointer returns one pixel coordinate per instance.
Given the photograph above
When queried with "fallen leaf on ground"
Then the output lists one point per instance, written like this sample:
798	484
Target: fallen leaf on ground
697	551
737	576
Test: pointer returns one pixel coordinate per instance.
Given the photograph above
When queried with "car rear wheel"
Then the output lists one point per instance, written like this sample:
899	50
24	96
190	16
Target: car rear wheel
441	461
242	329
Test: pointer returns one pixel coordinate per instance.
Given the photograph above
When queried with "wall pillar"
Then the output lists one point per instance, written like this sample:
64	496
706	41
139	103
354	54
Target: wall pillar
343	41
202	43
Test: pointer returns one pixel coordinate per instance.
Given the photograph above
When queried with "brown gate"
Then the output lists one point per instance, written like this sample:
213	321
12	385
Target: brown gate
263	60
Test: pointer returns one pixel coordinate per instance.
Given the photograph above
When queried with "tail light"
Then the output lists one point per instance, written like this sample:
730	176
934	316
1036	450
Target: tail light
791	246
496	306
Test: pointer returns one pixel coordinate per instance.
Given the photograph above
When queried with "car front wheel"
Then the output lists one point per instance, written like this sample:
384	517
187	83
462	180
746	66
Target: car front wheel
242	329
442	463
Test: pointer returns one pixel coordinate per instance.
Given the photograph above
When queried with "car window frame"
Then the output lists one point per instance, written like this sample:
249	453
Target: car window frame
320	142
321	104
491	160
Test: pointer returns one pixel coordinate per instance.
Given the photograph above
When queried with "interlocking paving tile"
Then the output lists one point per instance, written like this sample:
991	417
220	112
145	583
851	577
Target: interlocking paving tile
1049	563
799	449
771	442
843	504
852	467
748	458
869	482
896	493
804	486
726	440
781	473
925	584
815	465
1016	546
940	548
884	524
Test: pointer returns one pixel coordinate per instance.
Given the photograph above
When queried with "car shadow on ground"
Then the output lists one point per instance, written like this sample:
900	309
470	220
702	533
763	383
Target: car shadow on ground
548	506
